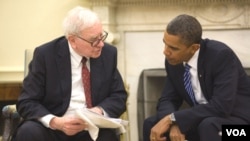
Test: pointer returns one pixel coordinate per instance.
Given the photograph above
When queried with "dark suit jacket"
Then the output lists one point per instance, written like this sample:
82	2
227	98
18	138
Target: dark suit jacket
47	87
223	81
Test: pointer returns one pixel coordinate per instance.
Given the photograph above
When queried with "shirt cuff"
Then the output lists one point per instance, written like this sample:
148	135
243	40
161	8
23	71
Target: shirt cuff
172	117
45	120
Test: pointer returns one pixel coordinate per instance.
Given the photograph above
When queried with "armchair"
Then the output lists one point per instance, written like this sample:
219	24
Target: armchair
10	115
11	120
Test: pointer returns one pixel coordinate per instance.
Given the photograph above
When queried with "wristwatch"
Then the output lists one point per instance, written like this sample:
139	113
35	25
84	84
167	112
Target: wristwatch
172	118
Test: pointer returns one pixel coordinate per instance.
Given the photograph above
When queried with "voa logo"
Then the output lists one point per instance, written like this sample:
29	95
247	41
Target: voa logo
236	132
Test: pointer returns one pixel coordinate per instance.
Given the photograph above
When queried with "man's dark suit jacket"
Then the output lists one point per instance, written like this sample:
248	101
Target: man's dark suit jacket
223	81
47	87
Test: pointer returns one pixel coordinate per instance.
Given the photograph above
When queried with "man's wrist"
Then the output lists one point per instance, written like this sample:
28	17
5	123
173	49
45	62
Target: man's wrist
53	124
45	120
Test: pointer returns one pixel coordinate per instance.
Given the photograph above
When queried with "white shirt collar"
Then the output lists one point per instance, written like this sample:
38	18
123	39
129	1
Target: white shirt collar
74	55
193	60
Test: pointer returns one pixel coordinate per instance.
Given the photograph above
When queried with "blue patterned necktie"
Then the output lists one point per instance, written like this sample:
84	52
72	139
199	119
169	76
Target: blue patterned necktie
187	83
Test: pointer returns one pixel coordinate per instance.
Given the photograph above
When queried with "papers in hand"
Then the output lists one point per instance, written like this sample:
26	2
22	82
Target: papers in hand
96	121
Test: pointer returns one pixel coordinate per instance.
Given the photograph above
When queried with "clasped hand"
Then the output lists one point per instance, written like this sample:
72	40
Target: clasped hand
158	132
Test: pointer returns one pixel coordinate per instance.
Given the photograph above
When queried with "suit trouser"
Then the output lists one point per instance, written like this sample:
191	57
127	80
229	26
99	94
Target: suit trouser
207	130
35	131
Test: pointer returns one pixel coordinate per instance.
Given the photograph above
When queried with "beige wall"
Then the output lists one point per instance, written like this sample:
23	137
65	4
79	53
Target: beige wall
26	24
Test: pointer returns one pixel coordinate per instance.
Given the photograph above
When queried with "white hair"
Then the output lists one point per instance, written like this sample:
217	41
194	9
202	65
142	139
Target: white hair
78	19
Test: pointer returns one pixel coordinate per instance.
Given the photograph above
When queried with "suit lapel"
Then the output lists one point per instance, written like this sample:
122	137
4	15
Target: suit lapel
64	67
201	70
96	74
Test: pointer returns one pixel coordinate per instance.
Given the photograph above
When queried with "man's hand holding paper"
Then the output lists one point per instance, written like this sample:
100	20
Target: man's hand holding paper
96	121
69	125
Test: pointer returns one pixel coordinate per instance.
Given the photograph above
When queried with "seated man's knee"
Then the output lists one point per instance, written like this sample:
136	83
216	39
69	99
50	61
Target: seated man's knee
210	121
29	129
149	122
108	134
210	124
147	125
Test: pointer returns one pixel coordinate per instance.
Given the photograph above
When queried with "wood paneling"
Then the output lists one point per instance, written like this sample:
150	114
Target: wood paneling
10	91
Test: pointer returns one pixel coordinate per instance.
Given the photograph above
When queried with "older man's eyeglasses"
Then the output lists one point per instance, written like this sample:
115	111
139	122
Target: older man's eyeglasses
97	41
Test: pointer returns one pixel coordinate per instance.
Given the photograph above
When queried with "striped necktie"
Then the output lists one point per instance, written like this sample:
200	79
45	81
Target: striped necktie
188	85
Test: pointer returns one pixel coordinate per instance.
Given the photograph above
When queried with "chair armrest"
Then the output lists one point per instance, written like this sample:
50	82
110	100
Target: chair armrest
9	111
11	120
